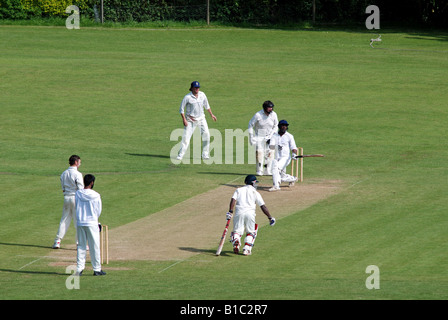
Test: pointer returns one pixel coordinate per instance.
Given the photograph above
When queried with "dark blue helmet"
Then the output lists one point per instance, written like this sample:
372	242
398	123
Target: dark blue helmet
251	179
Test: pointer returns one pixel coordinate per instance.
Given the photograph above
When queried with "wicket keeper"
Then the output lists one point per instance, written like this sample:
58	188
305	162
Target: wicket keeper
261	128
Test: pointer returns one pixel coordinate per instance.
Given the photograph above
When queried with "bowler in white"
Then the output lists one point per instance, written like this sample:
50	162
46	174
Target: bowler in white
71	181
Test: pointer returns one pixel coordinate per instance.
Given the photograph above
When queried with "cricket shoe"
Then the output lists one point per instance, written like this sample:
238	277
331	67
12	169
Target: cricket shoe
99	273
274	189
247	252
289	179
292	183
57	244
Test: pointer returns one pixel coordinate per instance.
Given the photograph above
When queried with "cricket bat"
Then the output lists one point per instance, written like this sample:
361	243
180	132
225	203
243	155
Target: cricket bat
223	238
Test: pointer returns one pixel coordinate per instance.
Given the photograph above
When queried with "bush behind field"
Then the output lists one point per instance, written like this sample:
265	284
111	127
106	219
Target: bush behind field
28	9
265	12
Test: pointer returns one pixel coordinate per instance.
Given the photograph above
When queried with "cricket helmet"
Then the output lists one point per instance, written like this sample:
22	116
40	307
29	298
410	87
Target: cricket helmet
251	179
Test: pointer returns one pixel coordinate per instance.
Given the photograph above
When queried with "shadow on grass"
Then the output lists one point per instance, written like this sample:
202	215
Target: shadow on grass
30	245
35	272
148	155
205	251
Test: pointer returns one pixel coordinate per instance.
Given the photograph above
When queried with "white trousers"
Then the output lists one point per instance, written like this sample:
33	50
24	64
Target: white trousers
279	174
188	132
68	214
265	157
88	235
244	221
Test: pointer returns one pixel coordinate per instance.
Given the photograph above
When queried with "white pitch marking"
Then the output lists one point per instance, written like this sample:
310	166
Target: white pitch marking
31	263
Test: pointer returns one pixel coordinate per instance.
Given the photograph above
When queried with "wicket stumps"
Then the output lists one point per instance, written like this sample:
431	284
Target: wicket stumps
104	244
296	165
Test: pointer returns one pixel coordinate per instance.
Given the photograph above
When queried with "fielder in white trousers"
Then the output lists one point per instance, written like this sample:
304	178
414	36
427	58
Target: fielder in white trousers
188	132
88	210
89	235
71	181
193	116
68	214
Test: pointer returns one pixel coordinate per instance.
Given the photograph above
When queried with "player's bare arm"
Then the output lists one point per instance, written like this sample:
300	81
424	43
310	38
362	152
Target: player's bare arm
266	212
211	114
184	120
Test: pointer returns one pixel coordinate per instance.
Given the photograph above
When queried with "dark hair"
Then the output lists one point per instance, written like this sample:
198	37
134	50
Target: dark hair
268	104
88	179
73	159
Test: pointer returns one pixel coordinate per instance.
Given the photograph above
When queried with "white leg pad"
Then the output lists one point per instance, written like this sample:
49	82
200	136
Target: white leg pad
235	238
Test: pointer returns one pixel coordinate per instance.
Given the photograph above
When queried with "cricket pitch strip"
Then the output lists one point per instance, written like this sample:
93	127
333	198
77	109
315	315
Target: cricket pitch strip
195	225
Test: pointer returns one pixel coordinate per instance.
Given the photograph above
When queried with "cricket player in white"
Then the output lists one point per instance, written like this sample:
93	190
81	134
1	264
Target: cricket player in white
261	128
192	112
283	143
71	181
246	198
88	210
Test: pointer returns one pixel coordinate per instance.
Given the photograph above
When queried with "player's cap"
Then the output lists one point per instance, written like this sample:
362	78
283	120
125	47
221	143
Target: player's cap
283	123
195	84
250	179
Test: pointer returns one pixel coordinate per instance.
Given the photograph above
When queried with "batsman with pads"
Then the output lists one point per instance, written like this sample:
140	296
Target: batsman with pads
244	201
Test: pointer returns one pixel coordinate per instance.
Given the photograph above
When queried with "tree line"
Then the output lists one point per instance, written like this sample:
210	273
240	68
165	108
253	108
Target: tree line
432	13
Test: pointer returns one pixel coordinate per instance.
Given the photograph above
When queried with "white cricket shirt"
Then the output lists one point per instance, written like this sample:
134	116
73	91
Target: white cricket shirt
194	107
88	207
71	181
247	198
264	125
283	144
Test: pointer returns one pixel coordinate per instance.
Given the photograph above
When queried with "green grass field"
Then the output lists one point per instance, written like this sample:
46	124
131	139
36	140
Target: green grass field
112	96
